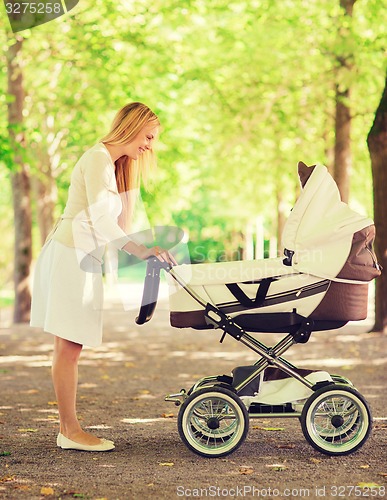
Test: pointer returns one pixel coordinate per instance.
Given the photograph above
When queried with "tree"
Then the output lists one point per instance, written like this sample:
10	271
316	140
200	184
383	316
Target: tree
20	182
377	145
243	93
342	150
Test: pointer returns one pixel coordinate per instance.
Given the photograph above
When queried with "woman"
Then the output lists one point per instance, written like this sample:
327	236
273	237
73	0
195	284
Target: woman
67	296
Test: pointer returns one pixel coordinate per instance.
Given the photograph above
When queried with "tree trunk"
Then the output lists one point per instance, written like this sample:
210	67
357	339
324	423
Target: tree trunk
45	194
20	183
45	205
377	145
342	159
342	152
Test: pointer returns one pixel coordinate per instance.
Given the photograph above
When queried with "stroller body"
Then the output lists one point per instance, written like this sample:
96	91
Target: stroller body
320	283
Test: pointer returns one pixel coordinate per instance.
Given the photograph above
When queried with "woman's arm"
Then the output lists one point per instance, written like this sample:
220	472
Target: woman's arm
102	197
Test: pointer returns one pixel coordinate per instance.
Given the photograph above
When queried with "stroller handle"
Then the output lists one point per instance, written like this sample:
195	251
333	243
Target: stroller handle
151	289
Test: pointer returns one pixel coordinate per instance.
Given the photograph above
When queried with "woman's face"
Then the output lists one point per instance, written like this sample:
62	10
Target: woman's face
142	142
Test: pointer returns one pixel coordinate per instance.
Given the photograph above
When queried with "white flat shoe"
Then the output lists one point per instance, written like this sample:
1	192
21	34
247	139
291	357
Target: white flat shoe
67	444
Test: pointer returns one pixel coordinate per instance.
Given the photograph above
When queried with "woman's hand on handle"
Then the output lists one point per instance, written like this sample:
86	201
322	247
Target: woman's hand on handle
161	254
143	252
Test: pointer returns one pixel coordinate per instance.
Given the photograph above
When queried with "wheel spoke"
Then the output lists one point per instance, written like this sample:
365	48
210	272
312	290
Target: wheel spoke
213	421
336	420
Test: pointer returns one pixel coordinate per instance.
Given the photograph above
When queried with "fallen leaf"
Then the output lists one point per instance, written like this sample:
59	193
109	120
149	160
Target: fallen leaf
315	460
7	478
52	403
364	466
28	430
5	453
46	491
368	485
166	464
22	487
167	415
245	470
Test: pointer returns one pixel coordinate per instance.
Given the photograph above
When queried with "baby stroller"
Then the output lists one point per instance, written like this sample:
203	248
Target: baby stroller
320	283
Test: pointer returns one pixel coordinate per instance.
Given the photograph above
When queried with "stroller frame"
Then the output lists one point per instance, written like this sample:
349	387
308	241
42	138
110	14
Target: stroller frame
214	418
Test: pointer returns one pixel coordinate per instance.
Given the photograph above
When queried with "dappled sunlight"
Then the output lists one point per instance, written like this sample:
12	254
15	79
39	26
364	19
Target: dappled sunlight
49	410
107	346
46	348
87	385
339	362
227	355
96	427
112	355
31	360
372	396
39	364
147	420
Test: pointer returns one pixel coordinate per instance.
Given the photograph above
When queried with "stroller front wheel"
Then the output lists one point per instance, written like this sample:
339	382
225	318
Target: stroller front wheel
336	420
213	422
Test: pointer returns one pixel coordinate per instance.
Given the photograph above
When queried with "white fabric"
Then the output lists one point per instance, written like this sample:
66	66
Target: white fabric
214	291
67	301
89	220
287	390
218	273
67	296
320	227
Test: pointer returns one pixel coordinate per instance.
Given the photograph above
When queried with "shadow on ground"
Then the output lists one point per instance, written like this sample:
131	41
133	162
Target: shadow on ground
121	396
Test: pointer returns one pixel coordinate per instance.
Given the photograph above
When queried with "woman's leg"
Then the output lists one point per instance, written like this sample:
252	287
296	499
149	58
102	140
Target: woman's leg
65	379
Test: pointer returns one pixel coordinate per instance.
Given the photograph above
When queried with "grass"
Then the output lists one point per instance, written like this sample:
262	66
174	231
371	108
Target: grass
7	298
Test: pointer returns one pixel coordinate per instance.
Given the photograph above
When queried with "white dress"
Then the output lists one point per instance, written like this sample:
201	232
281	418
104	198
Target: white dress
67	294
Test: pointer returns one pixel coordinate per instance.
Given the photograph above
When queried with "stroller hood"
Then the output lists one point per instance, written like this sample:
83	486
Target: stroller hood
321	227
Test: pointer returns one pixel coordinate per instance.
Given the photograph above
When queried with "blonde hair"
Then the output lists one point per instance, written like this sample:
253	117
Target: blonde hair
127	123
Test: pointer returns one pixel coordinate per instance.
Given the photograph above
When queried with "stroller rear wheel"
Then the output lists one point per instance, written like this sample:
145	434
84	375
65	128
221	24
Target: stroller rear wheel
336	420
213	422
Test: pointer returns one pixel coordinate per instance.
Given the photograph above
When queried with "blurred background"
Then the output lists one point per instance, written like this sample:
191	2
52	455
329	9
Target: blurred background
243	89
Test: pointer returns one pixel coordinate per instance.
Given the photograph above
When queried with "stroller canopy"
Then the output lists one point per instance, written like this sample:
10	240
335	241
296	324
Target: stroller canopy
320	227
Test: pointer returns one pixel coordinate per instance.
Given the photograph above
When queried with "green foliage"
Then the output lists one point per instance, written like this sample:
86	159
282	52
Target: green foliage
244	89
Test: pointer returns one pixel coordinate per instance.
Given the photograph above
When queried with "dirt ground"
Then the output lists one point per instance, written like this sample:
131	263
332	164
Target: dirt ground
121	397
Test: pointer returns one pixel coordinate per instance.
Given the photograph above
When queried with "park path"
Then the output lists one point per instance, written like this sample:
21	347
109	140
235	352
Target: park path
121	396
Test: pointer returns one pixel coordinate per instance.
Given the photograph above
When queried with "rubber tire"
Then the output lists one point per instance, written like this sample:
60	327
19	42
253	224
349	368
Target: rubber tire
185	424
336	448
